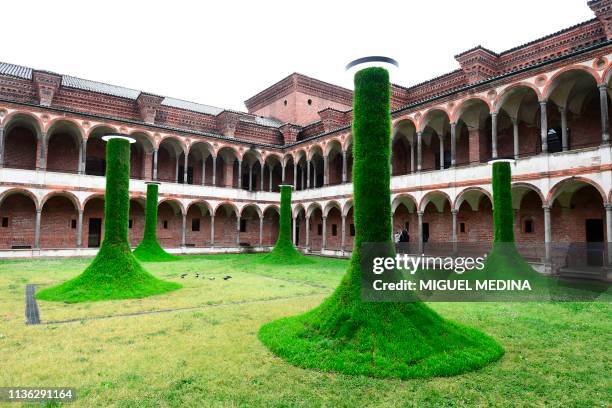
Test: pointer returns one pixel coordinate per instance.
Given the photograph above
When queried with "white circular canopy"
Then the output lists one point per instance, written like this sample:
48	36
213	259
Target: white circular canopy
106	138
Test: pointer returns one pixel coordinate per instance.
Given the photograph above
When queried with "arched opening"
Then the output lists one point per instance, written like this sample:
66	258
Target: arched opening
251	171
95	157
169	224
403	148
270	225
17	220
169	156
249	226
474	217
141	156
227	172
316	228
200	161
350	230
405	218
573	100
437	218
302	165
21	143
290	176
63	147
58	223
93	222
333	227
435	141
273	173
225	225
198	225
334	162
300	233
473	132
136	221
316	167
518	123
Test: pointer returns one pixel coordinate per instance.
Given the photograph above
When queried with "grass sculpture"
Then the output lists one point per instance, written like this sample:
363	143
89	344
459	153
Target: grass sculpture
149	249
114	273
379	339
284	252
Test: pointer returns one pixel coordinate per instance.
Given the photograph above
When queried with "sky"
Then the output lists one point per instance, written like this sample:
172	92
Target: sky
223	52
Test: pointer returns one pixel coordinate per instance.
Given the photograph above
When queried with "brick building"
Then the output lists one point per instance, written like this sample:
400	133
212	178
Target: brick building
544	103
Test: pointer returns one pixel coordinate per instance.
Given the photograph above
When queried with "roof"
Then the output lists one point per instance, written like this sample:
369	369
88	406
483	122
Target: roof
191	106
99	87
15	70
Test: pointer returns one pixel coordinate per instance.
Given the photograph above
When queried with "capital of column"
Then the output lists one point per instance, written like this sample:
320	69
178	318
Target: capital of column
546	208
608	207
420	213
603	87
454	211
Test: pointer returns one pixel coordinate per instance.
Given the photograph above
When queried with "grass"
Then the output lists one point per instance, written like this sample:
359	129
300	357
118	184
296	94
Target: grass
557	354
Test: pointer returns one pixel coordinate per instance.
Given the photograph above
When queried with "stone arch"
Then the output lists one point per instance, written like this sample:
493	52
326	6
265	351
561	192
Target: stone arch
63	193
313	207
64	139
403	142
22	140
18	215
348	206
519	190
404	199
28	117
271	224
58	220
329	205
507	92
554	80
23	191
170	222
198	226
333	152
572	184
437	198
251	206
473	196
95	152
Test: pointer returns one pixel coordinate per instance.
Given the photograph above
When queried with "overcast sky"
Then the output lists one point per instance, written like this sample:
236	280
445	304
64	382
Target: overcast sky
221	53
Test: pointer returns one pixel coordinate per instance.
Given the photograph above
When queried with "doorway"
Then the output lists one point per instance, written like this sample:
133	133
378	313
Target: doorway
425	231
95	233
594	239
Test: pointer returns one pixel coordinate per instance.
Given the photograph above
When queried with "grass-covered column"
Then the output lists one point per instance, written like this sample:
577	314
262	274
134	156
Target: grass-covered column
284	252
503	214
381	339
114	273
149	249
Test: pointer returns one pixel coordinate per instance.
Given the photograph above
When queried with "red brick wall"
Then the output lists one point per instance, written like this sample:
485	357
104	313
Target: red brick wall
400	158
225	228
137	161
21	213
401	217
170	237
137	216
335	168
166	165
334	218
62	153
94	208
531	209
56	223
316	240
568	224
198	238
271	225
478	224
440	224
20	148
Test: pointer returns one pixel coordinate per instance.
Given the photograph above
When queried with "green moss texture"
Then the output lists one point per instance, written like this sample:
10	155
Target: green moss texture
284	252
114	273
149	249
345	334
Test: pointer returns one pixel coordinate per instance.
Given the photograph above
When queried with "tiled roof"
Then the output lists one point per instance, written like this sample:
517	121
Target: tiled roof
271	122
191	106
15	70
99	87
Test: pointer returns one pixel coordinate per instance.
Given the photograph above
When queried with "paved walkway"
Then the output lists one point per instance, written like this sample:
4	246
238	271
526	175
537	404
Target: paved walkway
31	308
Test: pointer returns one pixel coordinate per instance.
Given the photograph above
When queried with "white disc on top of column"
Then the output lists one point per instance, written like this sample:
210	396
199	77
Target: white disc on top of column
106	138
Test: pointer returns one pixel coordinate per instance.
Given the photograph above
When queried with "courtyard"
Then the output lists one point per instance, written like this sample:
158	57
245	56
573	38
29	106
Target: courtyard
198	346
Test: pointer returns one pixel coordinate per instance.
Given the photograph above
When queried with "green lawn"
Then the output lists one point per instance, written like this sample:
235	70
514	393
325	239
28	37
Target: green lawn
207	352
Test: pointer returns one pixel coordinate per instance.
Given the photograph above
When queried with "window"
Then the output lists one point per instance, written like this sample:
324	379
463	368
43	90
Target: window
334	229
352	230
285	102
165	224
462	227
4	222
320	229
243	225
195	224
310	101
407	226
528	227
73	224
130	223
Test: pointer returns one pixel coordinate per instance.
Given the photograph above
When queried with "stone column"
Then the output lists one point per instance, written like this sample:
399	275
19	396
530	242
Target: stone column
564	141
419	151
494	135
603	102
270	186
239	175
325	170
82	150
441	139
204	170
185	166
155	164
543	127
515	137
344	166
324	243
412	157
251	177
294	231
42	158
1	146
214	170
420	238
283	165
79	240
295	167
454	213
238	230
343	230
302	176
547	232
184	231
261	177
261	219
453	128
37	230
176	169
609	232
212	230
314	175
307	173
307	232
